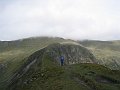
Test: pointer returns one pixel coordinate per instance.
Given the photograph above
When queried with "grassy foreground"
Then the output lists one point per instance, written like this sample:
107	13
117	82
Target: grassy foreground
50	76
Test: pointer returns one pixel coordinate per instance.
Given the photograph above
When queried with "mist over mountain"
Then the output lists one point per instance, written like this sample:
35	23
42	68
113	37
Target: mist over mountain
59	45
75	19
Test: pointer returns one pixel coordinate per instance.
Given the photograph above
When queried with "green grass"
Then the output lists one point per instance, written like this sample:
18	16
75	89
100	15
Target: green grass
107	53
89	72
47	75
13	54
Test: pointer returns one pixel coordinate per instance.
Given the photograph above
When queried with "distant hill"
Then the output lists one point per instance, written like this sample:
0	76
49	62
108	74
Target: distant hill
107	52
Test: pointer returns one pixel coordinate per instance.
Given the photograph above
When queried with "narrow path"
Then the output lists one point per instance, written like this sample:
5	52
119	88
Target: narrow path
76	79
82	83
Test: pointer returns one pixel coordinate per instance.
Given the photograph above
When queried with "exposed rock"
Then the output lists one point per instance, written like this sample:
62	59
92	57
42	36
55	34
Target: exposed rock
72	53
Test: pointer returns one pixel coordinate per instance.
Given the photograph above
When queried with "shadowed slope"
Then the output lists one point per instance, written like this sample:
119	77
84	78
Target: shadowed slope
42	71
73	54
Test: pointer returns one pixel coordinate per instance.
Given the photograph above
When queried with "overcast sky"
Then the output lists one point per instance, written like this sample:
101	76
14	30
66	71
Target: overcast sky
75	19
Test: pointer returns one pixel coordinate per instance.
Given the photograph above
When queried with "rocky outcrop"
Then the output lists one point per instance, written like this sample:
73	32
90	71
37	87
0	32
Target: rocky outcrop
71	52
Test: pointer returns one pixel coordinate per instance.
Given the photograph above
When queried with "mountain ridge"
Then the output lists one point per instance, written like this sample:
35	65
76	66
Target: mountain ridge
13	54
41	65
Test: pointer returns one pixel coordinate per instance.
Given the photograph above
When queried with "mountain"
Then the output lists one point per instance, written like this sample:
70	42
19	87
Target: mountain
17	55
42	71
13	54
107	53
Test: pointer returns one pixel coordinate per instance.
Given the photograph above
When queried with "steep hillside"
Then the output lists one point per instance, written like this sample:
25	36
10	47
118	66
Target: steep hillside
106	52
71	52
14	53
42	71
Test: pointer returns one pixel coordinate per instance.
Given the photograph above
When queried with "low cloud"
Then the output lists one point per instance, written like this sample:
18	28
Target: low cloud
76	19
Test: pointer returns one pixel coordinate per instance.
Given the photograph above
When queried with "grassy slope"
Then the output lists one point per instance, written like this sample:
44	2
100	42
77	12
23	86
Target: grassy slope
107	52
50	76
14	53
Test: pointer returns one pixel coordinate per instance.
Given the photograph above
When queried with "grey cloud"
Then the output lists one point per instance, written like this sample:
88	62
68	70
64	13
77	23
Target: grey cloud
76	19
